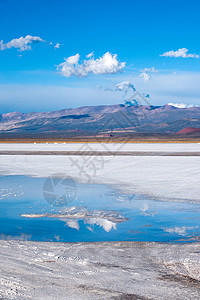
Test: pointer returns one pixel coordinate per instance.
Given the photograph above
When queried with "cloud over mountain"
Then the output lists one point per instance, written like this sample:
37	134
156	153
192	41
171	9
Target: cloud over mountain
182	105
122	86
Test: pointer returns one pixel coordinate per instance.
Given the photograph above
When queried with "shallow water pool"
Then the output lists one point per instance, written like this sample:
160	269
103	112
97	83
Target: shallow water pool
60	209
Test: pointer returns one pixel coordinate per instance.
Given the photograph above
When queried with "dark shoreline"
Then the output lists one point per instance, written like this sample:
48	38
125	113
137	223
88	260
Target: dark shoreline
100	153
61	137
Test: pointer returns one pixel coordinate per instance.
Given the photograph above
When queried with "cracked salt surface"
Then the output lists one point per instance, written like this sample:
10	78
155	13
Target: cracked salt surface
109	270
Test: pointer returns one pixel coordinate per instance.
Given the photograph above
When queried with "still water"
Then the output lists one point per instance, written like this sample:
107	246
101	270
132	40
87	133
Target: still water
60	209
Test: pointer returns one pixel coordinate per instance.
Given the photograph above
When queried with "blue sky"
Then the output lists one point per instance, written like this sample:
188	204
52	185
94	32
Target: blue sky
137	31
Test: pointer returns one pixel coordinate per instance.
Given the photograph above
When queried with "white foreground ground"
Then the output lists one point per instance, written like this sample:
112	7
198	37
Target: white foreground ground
109	270
167	178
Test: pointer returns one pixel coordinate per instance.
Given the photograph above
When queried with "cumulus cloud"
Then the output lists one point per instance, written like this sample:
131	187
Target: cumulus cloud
107	64
180	53
150	70
122	87
182	105
145	76
178	105
22	43
136	97
57	46
90	55
145	73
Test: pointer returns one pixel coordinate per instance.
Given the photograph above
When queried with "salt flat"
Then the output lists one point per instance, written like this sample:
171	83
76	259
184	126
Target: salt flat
106	270
162	178
147	147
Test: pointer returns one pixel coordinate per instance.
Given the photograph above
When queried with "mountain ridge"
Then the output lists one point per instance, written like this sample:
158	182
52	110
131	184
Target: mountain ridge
117	119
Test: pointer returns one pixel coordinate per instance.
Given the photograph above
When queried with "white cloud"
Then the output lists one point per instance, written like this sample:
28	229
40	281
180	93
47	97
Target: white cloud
145	73
90	55
73	60
178	105
135	97
180	53
122	86
107	64
57	46
165	87
22	43
182	105
145	76
150	70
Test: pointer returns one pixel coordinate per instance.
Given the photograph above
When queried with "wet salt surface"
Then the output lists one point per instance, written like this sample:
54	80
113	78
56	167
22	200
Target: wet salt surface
89	212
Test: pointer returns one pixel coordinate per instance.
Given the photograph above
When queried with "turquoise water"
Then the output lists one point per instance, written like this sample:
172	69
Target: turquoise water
108	214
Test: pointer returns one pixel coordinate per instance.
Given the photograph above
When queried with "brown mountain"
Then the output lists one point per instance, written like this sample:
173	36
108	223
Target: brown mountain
103	120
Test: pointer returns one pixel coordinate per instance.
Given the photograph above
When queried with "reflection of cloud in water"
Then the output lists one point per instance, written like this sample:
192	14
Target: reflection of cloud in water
89	228
105	224
21	237
57	237
105	219
145	211
180	230
72	223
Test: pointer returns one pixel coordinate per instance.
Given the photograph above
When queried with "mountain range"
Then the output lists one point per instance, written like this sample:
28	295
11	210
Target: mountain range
104	120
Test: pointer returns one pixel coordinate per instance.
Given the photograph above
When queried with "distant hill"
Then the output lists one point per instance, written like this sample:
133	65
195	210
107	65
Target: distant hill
104	120
189	130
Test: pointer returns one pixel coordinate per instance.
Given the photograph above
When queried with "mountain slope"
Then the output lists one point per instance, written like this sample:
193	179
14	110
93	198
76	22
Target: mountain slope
189	130
103	120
